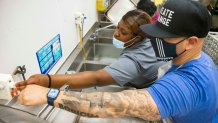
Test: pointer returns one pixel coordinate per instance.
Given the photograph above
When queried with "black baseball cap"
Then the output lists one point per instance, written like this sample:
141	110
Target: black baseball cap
180	18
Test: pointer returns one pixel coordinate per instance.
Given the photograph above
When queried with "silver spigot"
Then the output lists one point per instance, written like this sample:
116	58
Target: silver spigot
93	36
104	27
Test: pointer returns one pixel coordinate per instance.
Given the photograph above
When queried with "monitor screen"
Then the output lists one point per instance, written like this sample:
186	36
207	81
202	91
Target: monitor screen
49	54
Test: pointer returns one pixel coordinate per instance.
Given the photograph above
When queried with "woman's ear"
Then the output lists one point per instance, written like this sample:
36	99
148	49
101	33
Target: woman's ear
191	42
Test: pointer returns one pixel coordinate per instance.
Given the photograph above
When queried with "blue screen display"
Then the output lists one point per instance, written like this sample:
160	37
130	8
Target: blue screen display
49	54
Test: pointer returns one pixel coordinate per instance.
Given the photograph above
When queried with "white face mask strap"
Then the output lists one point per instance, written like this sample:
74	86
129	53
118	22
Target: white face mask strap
130	41
130	44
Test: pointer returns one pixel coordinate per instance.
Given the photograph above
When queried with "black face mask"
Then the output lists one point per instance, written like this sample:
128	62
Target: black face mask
164	51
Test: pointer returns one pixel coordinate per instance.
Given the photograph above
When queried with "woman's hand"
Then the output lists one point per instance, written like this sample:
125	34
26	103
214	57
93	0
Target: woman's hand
38	79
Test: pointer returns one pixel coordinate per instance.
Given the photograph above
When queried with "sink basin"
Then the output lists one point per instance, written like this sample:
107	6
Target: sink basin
91	67
99	49
99	54
105	33
211	46
102	52
104	40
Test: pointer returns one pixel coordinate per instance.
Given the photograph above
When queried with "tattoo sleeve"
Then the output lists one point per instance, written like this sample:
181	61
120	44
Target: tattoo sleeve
135	103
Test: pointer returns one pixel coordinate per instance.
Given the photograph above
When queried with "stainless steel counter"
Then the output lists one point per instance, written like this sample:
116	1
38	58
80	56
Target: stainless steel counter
3	101
41	113
15	115
31	109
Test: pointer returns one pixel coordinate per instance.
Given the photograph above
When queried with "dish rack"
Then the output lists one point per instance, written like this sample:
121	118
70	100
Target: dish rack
211	46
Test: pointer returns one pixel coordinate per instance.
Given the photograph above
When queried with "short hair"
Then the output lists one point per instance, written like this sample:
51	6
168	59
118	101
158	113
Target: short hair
147	6
134	19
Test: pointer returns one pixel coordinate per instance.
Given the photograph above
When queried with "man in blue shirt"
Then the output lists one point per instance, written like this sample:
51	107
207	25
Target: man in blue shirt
187	93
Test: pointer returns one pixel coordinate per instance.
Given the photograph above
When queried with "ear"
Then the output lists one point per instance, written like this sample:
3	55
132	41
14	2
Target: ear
192	42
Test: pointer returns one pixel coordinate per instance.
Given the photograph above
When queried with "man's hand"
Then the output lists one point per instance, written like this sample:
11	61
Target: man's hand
33	95
38	79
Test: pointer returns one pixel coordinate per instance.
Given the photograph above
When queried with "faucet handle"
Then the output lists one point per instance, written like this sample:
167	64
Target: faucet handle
93	36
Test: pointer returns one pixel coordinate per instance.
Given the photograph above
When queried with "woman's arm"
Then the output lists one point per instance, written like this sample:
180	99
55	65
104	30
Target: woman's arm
78	80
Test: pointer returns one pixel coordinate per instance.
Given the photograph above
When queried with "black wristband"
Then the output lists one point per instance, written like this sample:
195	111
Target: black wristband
49	80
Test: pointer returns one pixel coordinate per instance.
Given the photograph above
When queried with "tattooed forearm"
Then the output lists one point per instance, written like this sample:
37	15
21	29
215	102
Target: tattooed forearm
68	108
136	103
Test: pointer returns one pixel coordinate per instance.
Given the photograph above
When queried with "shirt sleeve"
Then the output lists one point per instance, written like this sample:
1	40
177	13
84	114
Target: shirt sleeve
174	95
123	70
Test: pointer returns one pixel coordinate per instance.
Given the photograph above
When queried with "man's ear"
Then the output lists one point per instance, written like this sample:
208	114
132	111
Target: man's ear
191	42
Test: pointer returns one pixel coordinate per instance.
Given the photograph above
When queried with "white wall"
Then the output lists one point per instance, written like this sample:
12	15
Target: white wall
27	25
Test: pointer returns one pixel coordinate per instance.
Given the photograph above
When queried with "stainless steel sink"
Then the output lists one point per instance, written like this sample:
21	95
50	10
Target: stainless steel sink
102	52
91	67
105	33
101	48
104	40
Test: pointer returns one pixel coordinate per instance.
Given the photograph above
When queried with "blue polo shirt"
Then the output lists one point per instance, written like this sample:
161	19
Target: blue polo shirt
188	94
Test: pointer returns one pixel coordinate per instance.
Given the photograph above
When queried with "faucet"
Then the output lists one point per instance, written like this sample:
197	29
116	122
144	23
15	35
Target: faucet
94	35
20	70
104	27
